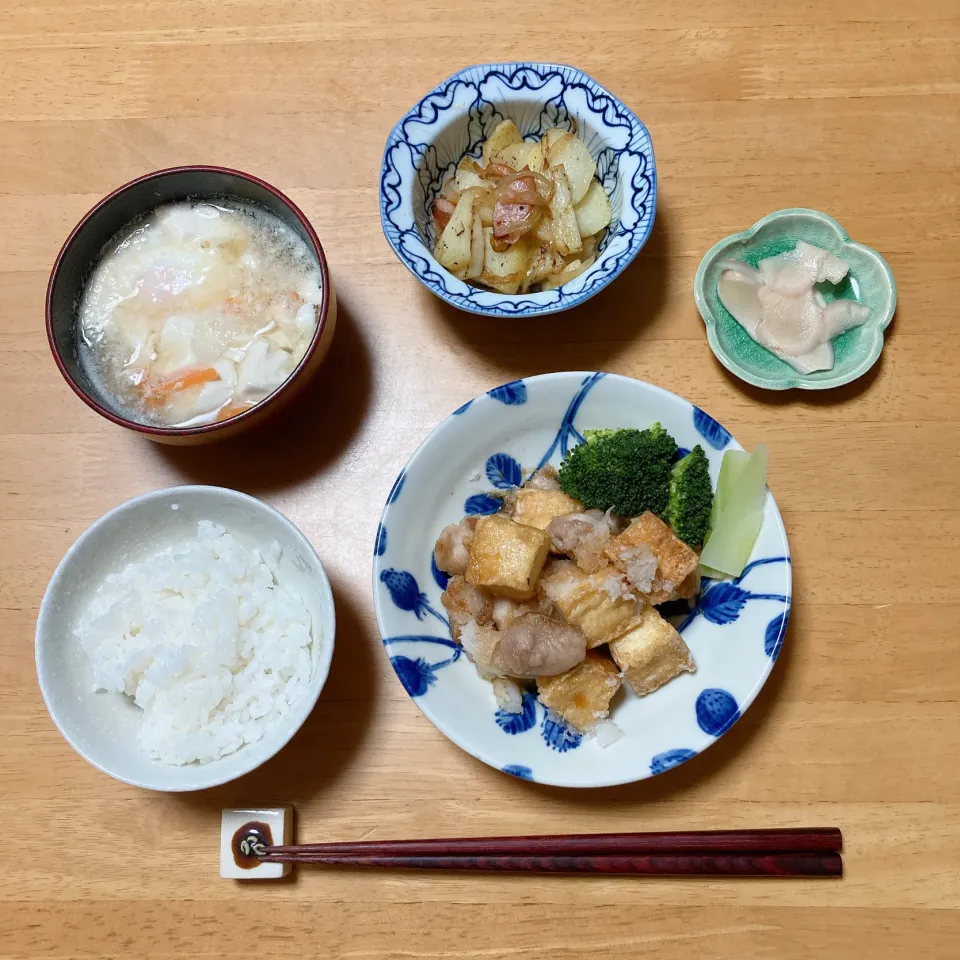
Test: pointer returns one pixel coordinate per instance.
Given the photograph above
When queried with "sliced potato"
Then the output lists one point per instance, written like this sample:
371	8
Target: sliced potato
543	232
483	202
551	137
475	267
453	247
508	287
589	245
537	158
593	212
571	153
516	155
573	269
509	265
504	134
467	176
485	209
566	236
542	265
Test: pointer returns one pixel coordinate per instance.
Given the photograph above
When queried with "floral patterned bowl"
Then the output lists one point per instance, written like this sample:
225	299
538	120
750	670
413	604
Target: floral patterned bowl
870	281
454	119
495	442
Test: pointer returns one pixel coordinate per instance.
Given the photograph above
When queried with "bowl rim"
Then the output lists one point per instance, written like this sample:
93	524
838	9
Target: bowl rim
470	746
794	381
534	309
318	680
203	428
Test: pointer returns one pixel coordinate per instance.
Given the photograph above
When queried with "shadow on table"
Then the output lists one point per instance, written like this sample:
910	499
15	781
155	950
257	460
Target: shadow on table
330	736
301	441
835	396
585	338
696	772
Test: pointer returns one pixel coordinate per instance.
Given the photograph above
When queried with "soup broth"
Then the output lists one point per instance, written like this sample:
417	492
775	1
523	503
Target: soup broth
199	311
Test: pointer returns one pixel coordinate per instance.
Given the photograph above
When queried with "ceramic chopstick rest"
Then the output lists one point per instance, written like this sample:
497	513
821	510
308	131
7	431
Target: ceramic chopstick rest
243	832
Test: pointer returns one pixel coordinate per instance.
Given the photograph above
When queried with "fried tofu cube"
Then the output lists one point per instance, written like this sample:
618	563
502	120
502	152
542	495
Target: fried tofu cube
690	587
585	601
675	560
582	695
651	654
506	557
536	508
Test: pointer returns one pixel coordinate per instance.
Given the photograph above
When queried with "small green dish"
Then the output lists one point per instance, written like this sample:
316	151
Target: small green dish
869	281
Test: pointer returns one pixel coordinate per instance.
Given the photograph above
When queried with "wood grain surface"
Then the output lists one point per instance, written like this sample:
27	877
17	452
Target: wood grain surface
851	108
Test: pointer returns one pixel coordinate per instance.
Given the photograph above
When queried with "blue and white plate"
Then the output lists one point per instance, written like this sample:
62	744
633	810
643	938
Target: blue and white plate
495	442
454	119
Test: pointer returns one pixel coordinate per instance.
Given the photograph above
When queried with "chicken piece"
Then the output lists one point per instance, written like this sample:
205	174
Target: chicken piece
509	694
505	611
675	560
506	557
639	565
482	646
534	645
582	695
452	549
464	602
651	654
509	499
538	508
544	479
582	536
583	599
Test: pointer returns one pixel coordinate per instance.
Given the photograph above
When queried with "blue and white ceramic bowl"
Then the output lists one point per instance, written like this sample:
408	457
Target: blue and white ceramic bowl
454	119
495	442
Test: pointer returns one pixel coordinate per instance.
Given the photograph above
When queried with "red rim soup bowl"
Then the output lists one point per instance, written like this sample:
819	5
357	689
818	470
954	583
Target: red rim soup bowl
85	246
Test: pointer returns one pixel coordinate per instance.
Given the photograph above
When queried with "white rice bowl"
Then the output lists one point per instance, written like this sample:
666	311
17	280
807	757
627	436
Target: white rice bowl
176	661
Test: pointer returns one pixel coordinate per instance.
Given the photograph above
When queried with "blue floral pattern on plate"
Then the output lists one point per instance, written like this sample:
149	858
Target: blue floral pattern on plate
503	471
721	601
455	118
518	770
711	431
380	544
670	759
514	723
482	504
717	711
512	394
735	630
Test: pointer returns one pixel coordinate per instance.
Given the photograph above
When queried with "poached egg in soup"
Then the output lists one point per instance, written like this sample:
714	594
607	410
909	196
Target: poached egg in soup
199	311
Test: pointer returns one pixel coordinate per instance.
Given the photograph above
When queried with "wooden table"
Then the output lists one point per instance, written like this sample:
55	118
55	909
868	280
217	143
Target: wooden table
852	108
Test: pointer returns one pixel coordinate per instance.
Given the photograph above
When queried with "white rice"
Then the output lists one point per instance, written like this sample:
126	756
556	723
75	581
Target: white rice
205	641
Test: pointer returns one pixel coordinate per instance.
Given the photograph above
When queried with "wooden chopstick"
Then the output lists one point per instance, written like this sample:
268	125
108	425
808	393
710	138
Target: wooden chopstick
808	864
789	840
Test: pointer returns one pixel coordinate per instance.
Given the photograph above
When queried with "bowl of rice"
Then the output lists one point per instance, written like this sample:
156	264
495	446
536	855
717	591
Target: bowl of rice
185	638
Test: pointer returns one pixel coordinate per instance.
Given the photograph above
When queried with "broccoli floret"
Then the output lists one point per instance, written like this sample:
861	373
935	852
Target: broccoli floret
627	471
691	498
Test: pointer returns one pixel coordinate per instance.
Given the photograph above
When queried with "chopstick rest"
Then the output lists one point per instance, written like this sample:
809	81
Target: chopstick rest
246	833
